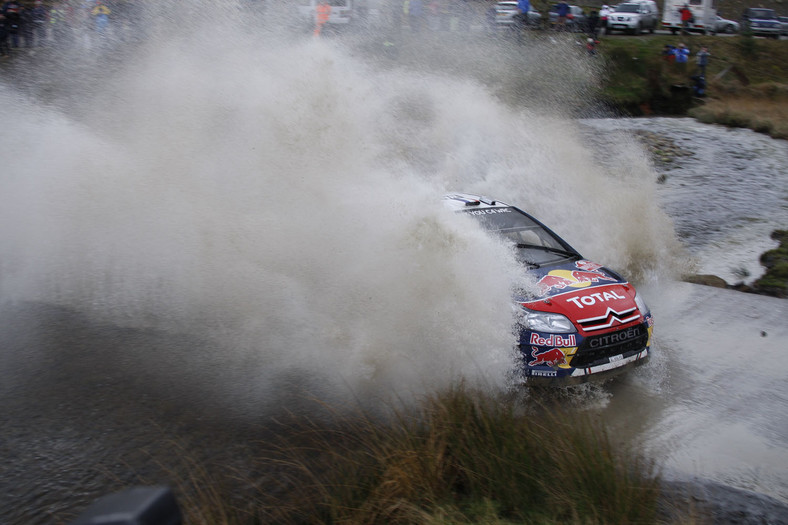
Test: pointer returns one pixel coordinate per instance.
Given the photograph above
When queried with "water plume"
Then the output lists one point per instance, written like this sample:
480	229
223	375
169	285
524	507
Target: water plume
279	199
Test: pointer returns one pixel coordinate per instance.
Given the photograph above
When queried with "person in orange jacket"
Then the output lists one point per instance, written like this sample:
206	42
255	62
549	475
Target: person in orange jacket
322	14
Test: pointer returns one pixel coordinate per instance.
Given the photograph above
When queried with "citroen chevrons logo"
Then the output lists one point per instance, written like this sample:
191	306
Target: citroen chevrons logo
612	317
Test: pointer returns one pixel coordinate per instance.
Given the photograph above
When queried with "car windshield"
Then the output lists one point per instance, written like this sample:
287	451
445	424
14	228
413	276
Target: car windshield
536	246
761	13
628	8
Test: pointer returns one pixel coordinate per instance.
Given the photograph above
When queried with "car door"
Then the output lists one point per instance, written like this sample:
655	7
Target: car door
649	16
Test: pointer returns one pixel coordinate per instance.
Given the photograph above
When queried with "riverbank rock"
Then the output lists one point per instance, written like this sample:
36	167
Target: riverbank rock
707	280
663	149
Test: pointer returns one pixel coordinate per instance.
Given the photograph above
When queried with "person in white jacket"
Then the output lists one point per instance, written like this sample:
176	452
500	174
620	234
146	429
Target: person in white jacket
604	13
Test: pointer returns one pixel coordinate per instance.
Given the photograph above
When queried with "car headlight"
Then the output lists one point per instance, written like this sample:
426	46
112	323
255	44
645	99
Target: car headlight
641	304
545	321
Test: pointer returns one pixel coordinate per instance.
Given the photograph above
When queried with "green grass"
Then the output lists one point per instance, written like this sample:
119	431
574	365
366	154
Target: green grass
636	76
775	280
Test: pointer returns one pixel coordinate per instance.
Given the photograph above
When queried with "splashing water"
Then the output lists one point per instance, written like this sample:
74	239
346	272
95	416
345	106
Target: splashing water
280	199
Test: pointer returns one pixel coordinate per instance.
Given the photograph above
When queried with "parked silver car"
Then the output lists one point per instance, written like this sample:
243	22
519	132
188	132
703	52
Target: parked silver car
634	17
723	25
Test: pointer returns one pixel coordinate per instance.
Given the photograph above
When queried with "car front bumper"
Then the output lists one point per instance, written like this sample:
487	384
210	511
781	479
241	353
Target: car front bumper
549	376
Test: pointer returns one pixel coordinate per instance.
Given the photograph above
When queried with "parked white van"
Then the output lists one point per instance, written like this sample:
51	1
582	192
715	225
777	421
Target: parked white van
343	12
704	16
634	16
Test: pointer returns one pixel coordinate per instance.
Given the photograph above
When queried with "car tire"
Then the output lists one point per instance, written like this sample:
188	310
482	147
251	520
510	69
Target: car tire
729	29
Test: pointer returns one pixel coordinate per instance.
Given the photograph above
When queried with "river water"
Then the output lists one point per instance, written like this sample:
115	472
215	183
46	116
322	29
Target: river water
211	230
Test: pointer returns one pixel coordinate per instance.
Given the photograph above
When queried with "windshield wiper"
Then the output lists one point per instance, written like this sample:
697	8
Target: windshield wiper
549	249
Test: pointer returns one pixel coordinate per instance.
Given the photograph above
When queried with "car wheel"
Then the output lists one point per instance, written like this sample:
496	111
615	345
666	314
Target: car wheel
729	29
674	30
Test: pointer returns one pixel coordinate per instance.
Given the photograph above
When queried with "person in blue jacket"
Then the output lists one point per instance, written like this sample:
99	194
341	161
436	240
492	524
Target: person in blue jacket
682	55
562	9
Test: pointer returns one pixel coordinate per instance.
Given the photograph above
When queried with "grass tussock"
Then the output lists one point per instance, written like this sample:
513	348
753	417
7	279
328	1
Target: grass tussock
462	457
775	280
760	113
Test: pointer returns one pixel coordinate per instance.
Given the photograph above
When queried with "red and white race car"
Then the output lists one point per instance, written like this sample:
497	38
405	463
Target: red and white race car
584	321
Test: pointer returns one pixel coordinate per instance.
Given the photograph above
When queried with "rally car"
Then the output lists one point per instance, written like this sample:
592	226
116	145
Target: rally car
583	321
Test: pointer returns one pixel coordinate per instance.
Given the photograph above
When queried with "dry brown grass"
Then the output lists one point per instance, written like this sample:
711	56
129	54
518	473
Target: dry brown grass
762	108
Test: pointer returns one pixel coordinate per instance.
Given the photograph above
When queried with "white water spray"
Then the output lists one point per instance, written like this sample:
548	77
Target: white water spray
282	201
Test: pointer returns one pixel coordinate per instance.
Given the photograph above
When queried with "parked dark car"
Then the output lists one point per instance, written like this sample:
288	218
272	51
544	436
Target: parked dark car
575	20
783	24
760	21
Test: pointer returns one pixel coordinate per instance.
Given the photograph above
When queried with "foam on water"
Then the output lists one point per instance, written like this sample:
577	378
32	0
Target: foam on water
282	201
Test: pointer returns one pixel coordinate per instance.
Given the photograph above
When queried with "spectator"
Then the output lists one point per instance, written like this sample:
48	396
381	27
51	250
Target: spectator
59	22
703	60
525	7
434	15
682	56
669	53
699	86
39	17
592	25
686	19
322	14
4	51
101	16
27	26
415	15
521	18
591	46
562	10
604	14
13	20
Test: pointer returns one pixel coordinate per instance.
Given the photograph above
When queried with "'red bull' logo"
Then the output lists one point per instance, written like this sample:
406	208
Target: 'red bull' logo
553	340
560	279
552	357
588	265
551	281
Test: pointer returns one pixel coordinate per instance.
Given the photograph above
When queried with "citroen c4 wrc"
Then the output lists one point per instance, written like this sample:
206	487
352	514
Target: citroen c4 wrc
584	321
